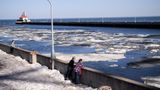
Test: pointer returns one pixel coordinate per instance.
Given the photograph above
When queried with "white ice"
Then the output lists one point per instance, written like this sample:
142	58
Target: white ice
108	47
153	81
17	74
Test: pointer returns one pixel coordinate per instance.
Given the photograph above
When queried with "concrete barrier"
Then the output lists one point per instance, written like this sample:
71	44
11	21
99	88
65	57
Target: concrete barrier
24	54
44	60
90	77
5	48
96	78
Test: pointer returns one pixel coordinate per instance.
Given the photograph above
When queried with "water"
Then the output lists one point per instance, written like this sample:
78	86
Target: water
133	43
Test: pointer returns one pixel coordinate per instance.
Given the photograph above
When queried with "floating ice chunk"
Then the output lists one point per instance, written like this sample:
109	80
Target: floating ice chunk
156	57
116	51
152	80
36	38
153	45
113	65
143	35
95	40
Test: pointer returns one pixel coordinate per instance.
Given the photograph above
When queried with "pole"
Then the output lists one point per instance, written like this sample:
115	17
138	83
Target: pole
52	45
135	20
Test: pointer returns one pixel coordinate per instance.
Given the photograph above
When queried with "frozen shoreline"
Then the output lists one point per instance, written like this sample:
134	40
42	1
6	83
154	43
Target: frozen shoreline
108	47
16	73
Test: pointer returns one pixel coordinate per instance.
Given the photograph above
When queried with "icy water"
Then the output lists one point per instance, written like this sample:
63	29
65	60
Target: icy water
133	43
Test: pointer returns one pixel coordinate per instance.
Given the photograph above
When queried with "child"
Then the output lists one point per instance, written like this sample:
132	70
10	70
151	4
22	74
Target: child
78	71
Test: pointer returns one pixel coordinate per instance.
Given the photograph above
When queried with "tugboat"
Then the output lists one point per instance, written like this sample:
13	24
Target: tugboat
23	18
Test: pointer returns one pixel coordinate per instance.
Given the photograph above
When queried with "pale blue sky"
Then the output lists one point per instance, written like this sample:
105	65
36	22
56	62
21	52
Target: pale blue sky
12	9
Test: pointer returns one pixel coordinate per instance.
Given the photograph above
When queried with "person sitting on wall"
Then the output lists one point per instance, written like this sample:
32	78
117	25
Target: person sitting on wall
70	68
12	46
78	71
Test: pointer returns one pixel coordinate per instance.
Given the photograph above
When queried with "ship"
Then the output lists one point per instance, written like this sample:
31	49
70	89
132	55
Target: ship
23	18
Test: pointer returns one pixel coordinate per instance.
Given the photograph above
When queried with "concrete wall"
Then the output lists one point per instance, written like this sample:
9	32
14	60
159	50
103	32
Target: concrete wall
89	77
25	54
44	60
97	78
5	48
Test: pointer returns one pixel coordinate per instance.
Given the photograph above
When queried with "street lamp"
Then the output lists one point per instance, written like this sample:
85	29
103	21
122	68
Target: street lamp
52	45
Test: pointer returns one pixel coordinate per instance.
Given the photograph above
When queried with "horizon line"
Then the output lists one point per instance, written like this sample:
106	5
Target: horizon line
83	17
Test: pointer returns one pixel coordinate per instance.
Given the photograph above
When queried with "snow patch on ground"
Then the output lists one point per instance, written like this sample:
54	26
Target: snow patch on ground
17	74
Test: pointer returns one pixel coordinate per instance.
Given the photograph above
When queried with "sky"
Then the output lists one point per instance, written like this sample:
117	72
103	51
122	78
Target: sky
35	9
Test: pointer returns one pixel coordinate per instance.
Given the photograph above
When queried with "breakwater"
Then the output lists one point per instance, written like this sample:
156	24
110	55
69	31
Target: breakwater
91	77
101	24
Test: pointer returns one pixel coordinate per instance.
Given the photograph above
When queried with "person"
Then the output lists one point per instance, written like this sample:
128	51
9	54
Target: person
12	46
78	71
70	68
13	43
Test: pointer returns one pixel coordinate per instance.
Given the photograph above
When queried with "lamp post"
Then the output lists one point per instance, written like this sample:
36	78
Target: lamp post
52	45
135	19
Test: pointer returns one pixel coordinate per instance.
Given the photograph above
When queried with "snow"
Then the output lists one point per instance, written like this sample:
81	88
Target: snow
17	74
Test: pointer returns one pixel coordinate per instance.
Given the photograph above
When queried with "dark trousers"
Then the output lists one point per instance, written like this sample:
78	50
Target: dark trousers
77	77
69	73
11	50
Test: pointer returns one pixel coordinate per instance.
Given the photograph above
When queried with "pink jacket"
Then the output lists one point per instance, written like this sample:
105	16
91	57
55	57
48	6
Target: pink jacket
78	68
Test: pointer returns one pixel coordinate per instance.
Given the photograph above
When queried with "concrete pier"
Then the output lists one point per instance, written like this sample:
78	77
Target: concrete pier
101	24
